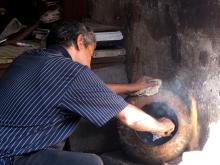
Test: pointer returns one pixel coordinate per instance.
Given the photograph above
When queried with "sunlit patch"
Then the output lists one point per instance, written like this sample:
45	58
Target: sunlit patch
210	152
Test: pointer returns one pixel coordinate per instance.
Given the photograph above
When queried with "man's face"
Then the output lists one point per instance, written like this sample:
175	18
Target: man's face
85	54
90	50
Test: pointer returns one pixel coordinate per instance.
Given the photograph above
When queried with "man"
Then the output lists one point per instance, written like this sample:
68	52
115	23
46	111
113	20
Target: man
46	91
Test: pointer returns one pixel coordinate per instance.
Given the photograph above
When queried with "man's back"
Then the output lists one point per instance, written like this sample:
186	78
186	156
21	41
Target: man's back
31	92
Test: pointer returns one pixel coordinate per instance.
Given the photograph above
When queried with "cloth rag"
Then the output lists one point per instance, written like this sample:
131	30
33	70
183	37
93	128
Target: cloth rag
150	90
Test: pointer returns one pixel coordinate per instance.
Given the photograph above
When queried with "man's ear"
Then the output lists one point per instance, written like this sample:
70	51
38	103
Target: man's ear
80	42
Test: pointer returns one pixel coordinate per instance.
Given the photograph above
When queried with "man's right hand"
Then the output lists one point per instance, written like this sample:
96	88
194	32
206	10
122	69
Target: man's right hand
166	127
138	120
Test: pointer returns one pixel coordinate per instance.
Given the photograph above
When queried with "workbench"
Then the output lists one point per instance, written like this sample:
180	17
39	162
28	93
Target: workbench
8	53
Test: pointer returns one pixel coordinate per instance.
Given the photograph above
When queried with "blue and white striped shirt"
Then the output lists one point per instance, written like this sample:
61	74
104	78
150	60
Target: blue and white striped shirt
43	95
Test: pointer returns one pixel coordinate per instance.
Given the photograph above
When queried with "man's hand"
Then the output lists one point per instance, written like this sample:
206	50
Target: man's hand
143	82
166	127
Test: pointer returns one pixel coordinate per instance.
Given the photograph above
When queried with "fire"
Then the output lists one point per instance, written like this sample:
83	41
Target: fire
194	142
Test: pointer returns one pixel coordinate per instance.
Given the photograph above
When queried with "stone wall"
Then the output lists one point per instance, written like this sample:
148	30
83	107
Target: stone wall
176	41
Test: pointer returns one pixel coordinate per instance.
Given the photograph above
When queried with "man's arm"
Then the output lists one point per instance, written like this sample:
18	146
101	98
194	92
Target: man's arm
141	83
122	88
138	120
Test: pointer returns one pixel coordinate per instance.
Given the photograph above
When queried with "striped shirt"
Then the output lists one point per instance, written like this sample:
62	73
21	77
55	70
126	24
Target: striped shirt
43	95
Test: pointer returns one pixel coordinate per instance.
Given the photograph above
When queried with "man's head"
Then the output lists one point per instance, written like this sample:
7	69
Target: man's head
78	39
66	33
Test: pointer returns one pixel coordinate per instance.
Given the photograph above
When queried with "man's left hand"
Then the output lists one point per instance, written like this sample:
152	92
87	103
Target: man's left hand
144	82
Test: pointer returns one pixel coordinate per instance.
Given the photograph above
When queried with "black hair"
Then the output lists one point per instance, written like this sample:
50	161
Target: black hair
66	33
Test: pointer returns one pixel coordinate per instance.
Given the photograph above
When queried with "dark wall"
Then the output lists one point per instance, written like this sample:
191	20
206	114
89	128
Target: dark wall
75	9
27	11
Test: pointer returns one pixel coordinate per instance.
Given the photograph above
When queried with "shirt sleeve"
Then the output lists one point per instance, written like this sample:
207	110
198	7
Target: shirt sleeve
90	98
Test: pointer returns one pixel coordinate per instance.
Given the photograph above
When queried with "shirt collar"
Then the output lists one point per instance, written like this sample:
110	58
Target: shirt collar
60	49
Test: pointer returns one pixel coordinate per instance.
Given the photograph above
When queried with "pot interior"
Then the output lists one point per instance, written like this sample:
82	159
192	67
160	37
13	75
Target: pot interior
158	110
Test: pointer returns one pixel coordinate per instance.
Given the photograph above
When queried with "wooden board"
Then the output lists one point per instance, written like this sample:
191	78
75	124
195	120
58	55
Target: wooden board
109	53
